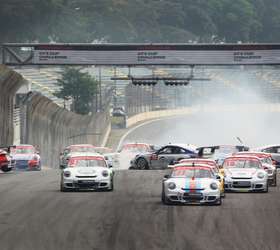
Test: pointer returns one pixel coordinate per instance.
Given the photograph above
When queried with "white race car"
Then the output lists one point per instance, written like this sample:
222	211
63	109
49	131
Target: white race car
244	174
191	184
87	171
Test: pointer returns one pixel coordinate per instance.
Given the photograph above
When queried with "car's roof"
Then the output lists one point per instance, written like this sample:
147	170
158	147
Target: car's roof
186	166
81	145
182	145
253	153
136	143
79	154
267	146
198	159
242	157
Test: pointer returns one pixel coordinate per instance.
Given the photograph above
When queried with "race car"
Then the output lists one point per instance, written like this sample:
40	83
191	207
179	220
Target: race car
220	152
274	150
26	157
6	162
129	150
267	164
191	184
163	157
87	171
245	174
212	164
68	151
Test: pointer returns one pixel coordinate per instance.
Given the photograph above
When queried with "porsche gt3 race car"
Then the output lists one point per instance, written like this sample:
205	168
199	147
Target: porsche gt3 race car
267	164
130	150
6	162
245	174
274	150
163	157
220	152
212	164
191	184
72	149
87	171
26	157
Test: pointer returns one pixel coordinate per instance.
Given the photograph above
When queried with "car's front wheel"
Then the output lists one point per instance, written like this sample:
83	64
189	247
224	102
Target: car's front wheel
142	164
111	188
164	199
219	202
62	188
6	169
274	183
266	188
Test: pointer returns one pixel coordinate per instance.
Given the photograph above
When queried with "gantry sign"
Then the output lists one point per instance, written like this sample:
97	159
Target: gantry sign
141	54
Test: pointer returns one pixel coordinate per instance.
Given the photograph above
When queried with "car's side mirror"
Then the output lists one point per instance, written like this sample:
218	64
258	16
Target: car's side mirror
110	165
167	176
218	177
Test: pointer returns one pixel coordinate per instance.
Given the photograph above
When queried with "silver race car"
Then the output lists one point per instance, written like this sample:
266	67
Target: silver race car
87	171
72	149
245	174
163	157
191	184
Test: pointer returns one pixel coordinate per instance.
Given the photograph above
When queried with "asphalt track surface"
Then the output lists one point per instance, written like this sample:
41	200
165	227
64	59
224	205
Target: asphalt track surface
35	215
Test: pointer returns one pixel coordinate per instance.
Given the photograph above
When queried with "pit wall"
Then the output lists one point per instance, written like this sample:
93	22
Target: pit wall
10	82
51	128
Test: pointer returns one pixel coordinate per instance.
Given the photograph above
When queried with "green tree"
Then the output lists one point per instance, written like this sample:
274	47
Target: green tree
79	86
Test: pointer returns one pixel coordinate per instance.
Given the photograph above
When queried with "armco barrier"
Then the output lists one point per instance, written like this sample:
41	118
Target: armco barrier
10	82
51	128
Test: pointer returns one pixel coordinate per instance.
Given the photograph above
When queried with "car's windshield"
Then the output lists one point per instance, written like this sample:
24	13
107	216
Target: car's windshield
192	172
241	163
23	150
87	162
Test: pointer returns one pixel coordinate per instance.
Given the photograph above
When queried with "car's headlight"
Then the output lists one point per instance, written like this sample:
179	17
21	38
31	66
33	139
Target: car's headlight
105	173
67	173
260	175
214	186
171	185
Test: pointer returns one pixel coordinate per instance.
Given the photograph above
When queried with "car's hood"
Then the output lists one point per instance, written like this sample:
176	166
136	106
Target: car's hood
23	156
85	171
241	172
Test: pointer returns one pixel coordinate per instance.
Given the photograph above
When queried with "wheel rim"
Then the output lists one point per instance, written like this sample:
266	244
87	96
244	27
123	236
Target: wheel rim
141	164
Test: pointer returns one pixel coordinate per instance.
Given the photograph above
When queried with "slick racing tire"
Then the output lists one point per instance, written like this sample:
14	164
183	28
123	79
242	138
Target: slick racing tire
164	199
62	188
274	183
111	188
266	189
142	164
6	169
219	202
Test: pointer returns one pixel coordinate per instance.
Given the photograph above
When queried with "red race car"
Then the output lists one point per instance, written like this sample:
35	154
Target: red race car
6	163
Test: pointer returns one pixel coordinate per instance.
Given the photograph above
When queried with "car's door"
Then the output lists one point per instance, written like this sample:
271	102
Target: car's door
160	159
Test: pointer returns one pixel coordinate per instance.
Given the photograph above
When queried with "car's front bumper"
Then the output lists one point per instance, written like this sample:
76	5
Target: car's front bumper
193	197
245	185
89	184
